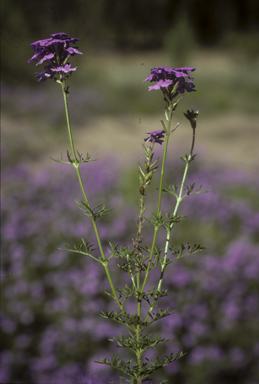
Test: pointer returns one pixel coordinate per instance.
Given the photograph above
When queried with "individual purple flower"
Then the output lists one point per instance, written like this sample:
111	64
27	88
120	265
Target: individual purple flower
171	81
56	52
155	136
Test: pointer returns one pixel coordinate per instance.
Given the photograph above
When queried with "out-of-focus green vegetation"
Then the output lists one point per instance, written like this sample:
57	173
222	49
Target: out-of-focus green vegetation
225	81
128	26
123	42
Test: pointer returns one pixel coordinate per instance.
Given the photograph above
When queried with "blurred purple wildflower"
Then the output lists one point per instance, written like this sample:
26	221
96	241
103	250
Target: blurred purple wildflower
56	51
155	136
58	298
171	81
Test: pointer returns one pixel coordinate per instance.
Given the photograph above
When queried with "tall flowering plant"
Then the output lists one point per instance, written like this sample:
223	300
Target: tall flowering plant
139	259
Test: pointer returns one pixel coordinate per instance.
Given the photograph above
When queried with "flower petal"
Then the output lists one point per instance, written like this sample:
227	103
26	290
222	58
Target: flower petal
160	84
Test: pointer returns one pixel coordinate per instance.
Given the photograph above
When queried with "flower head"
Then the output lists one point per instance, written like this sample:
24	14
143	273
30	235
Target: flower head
56	52
155	136
171	81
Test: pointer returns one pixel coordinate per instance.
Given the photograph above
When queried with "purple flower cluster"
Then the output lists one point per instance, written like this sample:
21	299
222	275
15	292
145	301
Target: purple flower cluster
56	52
171	80
51	300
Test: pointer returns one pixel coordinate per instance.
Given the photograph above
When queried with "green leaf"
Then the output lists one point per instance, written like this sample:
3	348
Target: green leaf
61	160
178	252
88	211
171	189
79	249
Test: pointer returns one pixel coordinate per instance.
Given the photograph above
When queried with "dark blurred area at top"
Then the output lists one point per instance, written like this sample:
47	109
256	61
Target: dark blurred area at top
119	24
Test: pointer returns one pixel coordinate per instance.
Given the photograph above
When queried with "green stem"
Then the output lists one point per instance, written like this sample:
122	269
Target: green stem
179	198
167	134
139	355
169	229
178	201
138	250
76	165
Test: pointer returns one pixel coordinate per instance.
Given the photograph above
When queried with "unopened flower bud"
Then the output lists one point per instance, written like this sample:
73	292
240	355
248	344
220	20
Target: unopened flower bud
192	115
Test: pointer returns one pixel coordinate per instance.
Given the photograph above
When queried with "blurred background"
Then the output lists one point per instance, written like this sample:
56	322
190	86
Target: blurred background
47	332
121	42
